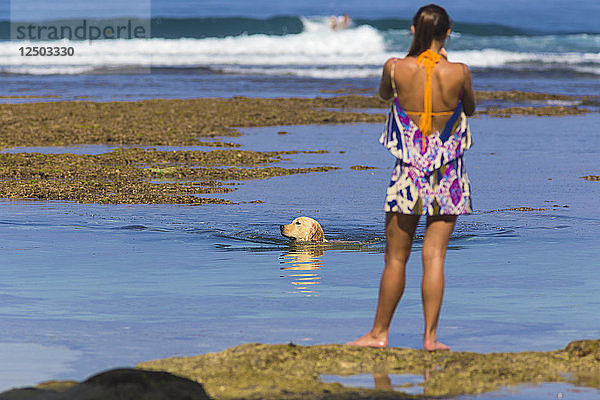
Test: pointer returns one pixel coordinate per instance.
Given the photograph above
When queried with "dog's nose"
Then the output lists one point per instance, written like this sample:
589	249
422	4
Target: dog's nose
281	227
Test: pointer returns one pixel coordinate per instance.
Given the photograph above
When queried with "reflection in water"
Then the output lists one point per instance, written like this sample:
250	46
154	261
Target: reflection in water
405	383
382	381
302	266
410	384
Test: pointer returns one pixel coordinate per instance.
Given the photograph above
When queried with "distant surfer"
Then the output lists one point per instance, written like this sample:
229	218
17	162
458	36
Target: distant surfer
340	22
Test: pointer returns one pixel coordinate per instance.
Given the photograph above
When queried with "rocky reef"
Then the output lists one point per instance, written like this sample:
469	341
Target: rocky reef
182	122
137	176
259	371
142	176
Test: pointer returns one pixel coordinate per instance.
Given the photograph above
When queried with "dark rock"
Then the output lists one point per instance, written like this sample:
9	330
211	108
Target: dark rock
119	384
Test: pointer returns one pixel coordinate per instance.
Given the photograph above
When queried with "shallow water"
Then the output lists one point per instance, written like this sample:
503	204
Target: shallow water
415	384
102	286
411	384
195	83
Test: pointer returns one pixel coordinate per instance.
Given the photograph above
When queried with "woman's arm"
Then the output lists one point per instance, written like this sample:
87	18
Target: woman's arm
468	95
385	85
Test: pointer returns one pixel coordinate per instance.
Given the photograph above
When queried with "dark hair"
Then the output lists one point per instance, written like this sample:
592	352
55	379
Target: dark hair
430	22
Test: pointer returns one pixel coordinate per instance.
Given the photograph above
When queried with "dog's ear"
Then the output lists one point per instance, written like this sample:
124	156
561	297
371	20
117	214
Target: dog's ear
316	233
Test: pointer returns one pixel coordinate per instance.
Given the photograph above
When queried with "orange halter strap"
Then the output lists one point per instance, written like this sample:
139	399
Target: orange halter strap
428	60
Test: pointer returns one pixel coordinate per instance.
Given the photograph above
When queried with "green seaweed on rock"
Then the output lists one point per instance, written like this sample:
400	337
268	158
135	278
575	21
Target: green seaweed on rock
293	372
136	176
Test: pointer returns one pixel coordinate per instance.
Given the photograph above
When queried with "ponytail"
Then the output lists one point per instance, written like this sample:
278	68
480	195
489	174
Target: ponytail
430	22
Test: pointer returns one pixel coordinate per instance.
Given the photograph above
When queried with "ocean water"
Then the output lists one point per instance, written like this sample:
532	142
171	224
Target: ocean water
90	287
235	48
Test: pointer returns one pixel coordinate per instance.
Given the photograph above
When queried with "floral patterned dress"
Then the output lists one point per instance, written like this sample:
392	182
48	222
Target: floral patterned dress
429	177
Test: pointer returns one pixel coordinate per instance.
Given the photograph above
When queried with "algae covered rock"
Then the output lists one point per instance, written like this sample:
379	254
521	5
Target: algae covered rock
261	371
137	176
294	372
584	349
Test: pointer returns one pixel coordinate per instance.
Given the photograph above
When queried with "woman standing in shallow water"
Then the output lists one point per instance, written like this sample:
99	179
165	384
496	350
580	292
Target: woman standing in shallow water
427	131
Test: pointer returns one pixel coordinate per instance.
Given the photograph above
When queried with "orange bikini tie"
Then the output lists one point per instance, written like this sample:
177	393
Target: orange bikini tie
428	59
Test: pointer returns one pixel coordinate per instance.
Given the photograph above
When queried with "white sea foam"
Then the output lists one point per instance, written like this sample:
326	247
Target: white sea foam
355	46
317	52
323	72
499	58
47	70
490	57
316	24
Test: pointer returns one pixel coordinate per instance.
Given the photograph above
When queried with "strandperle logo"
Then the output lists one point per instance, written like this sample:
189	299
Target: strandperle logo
81	30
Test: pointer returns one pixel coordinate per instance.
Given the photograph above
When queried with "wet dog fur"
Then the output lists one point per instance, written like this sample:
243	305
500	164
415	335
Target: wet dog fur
303	229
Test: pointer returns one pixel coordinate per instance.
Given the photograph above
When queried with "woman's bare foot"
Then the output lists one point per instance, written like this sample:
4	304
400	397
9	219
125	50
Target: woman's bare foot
434	345
370	340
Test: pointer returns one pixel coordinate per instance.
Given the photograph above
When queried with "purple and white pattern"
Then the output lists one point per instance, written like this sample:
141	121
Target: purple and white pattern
429	177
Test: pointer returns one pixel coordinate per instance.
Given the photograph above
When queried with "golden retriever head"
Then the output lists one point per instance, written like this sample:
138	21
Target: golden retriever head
305	229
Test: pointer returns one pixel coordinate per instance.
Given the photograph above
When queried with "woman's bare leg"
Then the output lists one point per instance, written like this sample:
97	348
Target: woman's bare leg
435	245
399	232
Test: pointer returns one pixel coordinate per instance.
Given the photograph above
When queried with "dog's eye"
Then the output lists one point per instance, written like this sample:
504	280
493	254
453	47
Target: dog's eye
298	223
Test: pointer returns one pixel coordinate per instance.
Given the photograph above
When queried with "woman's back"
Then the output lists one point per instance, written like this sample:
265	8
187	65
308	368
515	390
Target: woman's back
448	82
